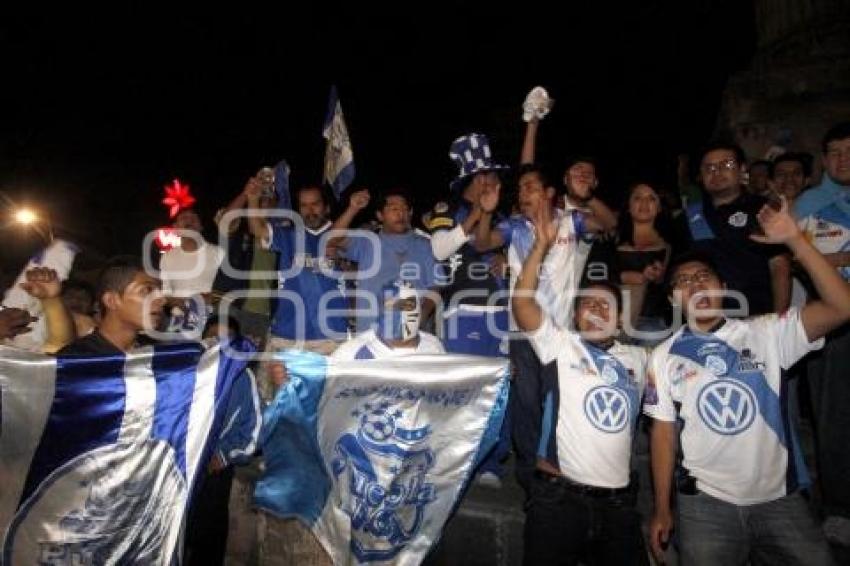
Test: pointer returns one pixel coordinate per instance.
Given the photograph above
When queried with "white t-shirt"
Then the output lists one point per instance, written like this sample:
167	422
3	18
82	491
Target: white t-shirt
58	255
727	388
828	237
562	267
367	346
592	414
185	274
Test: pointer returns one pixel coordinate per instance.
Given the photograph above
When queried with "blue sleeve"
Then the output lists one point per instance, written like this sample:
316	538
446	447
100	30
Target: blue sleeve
355	250
281	239
429	265
579	224
243	419
506	229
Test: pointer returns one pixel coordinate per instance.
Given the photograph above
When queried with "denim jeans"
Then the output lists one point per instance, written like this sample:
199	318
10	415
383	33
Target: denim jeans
526	407
778	532
563	527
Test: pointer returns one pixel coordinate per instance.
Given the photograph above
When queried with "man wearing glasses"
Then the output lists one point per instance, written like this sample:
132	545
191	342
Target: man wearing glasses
721	225
724	382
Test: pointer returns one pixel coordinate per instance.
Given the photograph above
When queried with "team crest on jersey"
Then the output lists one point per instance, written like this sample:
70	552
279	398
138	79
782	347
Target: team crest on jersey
748	362
711	348
385	470
739	219
716	365
607	409
727	407
583	367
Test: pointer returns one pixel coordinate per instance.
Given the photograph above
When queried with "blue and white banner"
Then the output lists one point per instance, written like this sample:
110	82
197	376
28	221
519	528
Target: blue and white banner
98	455
339	158
374	455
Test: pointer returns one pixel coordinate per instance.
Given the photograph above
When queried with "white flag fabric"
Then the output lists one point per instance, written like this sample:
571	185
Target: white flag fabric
339	157
98	455
374	455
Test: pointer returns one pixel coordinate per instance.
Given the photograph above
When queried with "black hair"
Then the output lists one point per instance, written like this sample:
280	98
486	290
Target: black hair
394	192
304	188
80	305
528	168
759	163
840	131
606	284
691	256
716	145
231	323
116	275
575	159
804	159
663	223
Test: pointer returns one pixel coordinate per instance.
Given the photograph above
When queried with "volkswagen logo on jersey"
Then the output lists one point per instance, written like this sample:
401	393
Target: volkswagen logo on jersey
607	409
716	365
727	407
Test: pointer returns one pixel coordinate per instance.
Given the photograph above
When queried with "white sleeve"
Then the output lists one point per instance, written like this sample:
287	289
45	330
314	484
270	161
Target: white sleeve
546	340
446	242
658	397
164	269
789	334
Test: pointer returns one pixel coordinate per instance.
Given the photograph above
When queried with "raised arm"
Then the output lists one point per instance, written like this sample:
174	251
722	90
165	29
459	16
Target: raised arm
529	143
43	284
526	310
358	201
486	238
258	225
833	308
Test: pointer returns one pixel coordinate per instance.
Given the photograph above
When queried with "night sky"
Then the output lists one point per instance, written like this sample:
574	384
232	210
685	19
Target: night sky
101	109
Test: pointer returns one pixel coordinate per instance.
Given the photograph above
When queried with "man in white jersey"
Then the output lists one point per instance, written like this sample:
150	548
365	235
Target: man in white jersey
582	500
560	278
741	470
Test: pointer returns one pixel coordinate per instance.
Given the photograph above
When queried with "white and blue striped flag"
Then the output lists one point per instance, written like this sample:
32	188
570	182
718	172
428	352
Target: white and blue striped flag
339	158
374	455
99	455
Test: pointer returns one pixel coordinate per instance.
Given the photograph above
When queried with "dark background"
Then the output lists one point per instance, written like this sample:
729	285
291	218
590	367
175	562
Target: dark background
100	110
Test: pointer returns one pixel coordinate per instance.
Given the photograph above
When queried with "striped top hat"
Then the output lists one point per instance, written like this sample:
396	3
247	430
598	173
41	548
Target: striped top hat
472	155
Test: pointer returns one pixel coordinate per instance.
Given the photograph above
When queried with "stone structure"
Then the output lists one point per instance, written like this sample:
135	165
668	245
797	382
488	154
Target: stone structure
799	81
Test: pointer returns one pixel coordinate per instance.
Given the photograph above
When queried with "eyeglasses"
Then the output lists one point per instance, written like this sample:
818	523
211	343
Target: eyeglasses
698	277
726	165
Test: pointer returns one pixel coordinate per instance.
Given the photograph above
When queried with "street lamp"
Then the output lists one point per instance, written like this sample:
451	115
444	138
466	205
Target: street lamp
28	218
25	216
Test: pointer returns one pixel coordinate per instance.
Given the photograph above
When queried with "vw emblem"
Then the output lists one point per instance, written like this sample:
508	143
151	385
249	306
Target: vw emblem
716	365
607	408
727	407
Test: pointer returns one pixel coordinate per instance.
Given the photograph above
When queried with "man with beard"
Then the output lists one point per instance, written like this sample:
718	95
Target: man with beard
296	321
